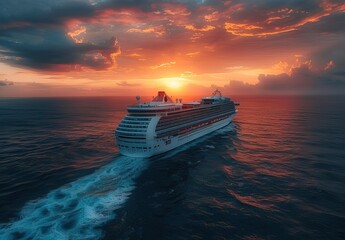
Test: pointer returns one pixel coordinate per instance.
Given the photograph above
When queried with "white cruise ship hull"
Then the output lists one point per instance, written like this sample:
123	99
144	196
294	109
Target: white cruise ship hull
161	145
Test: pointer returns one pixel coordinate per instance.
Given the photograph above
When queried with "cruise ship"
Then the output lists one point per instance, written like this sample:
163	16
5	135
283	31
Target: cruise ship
161	125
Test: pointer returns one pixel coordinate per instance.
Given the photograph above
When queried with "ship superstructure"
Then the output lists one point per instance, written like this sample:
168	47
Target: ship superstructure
161	125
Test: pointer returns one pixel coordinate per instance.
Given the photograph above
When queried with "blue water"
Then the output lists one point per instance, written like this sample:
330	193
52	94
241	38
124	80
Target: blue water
278	172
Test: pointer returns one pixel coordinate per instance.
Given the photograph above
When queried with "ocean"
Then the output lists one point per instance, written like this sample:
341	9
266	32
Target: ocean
277	172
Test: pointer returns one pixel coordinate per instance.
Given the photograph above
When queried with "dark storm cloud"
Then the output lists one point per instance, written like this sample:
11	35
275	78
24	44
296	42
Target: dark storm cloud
28	12
33	34
302	80
264	18
332	57
329	24
115	4
21	12
4	83
50	49
258	11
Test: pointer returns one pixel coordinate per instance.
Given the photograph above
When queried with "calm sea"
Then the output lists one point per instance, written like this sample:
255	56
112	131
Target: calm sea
277	172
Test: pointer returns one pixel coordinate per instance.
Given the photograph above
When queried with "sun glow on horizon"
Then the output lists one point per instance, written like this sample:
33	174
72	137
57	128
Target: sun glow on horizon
174	82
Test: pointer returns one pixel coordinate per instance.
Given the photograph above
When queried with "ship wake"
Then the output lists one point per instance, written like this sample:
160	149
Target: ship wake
78	209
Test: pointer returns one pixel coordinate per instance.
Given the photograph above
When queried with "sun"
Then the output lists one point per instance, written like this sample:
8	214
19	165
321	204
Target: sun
173	83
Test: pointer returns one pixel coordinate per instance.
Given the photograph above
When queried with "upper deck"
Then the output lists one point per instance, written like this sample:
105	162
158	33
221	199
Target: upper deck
162	103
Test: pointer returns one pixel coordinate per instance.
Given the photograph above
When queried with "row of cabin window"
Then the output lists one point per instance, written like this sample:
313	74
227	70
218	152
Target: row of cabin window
192	110
187	120
130	134
196	113
137	118
173	127
131	139
145	148
131	130
154	110
175	131
141	115
200	109
135	123
132	126
192	115
197	127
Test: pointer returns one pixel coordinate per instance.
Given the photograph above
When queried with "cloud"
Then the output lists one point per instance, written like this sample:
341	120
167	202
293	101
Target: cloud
264	18
157	30
51	49
42	12
302	80
242	29
35	34
331	58
5	83
163	65
73	35
126	84
76	32
201	29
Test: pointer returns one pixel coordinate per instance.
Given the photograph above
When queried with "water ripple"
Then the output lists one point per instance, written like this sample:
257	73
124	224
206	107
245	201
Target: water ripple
78	209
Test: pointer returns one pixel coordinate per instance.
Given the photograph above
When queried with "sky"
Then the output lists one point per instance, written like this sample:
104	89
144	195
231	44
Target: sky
128	47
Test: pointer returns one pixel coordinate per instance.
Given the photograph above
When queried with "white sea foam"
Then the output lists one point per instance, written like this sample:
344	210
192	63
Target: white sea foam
77	210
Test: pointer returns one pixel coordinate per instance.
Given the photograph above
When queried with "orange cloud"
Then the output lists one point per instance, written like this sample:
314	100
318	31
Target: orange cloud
201	29
265	28
172	9
192	54
177	11
329	65
75	34
163	65
241	29
212	17
282	66
157	30
134	55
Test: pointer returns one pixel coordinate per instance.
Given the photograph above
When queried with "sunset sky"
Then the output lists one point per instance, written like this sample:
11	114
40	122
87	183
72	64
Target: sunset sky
128	47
